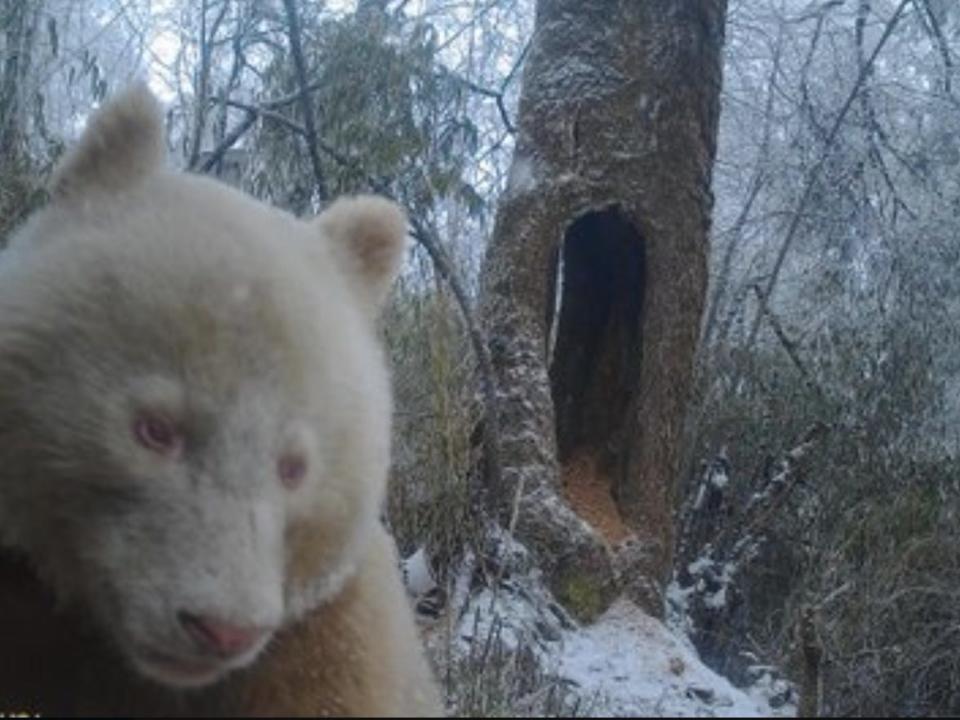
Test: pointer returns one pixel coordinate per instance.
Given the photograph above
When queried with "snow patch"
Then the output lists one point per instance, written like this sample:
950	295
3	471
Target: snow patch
633	665
701	564
626	664
417	577
523	177
701	496
719	479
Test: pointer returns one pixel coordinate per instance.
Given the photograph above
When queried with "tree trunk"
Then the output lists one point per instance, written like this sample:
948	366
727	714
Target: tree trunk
19	23
593	285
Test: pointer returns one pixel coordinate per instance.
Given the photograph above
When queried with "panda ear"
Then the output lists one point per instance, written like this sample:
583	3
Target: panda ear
123	142
368	236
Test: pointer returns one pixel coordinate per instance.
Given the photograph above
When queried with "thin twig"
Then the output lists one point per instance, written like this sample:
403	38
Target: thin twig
789	346
814	174
496	95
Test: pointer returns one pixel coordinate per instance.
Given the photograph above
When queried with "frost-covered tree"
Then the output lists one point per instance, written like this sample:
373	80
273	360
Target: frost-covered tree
594	280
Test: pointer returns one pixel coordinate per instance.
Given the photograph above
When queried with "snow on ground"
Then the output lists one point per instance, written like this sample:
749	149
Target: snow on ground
634	665
624	664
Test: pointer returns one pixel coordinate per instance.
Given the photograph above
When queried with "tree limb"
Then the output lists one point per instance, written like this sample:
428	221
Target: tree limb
497	96
203	79
267	114
228	142
294	33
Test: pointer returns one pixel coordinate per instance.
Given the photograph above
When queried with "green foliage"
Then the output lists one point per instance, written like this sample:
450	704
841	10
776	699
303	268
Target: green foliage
891	634
429	500
872	528
384	106
21	192
890	525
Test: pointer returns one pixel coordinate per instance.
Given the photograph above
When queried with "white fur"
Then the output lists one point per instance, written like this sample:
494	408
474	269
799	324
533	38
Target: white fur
143	290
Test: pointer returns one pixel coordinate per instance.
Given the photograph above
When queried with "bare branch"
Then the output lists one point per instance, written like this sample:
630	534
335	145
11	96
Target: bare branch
267	114
292	97
788	345
294	33
497	96
516	66
216	155
942	43
814	174
203	78
757	182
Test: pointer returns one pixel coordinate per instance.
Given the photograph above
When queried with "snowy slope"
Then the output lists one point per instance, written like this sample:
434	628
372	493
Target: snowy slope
634	665
624	664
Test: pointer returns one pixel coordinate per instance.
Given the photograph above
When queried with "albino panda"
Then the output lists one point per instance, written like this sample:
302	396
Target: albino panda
194	440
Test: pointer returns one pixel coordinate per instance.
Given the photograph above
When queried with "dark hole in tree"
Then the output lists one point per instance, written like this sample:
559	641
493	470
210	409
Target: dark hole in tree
599	274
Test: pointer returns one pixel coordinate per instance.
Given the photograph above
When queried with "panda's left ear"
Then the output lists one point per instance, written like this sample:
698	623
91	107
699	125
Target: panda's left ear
368	235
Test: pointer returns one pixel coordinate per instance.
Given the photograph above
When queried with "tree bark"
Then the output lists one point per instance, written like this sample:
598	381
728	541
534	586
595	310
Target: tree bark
593	285
19	23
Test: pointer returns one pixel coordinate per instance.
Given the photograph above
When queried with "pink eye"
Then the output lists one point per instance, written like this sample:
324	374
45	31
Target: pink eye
157	434
292	469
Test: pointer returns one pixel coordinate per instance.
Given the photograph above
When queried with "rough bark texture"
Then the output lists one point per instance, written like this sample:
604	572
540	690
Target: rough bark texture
608	207
19	23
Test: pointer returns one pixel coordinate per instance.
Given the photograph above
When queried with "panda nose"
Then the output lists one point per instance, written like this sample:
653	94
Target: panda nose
220	637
